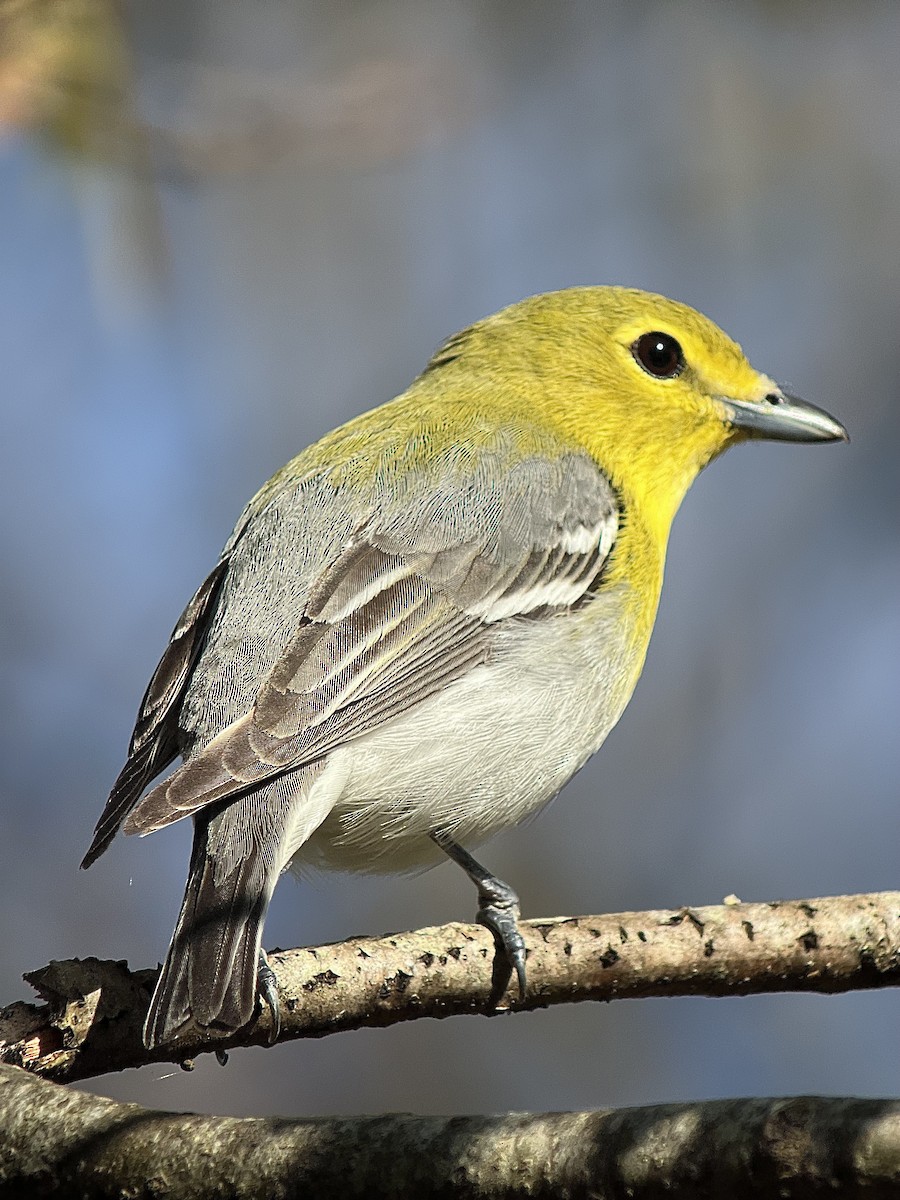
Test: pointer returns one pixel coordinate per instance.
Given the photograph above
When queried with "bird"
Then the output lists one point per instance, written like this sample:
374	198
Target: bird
426	622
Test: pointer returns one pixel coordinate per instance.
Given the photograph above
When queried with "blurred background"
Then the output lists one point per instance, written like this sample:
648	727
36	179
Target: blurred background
226	227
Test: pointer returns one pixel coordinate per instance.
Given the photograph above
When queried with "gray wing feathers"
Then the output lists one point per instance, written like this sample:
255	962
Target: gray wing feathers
407	604
333	683
171	674
155	741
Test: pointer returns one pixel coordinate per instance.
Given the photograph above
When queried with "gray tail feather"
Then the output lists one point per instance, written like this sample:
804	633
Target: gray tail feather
208	981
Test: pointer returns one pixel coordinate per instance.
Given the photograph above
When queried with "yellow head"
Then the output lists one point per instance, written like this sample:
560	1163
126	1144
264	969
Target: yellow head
650	387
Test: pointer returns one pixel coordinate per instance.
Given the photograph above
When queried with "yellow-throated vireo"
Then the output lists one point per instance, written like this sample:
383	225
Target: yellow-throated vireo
426	622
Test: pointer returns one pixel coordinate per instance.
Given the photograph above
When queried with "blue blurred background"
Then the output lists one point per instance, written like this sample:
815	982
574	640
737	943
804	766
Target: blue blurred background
226	227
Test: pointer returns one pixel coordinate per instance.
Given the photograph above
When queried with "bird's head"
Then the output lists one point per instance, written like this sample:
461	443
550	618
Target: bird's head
653	389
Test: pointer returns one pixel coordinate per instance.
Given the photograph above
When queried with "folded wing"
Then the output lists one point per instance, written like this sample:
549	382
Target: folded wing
154	743
410	604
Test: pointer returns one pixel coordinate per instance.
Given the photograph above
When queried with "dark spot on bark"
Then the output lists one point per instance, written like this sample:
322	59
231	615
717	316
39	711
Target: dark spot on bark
642	937
685	914
456	953
868	965
809	909
623	934
324	979
694	920
709	948
396	983
567	949
747	927
426	959
609	957
809	940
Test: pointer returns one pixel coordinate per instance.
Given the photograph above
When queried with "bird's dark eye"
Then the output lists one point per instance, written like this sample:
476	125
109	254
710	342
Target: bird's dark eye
659	354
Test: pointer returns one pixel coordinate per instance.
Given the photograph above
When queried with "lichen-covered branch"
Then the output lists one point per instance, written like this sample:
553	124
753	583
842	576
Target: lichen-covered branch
60	1142
91	1021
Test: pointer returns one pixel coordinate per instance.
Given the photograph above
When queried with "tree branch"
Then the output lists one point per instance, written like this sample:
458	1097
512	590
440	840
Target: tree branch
60	1142
91	1023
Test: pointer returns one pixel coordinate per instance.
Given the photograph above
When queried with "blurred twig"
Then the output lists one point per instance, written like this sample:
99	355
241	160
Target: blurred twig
67	78
65	72
359	115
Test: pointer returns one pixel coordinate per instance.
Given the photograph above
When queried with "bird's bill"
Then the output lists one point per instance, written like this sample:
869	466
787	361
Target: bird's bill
789	420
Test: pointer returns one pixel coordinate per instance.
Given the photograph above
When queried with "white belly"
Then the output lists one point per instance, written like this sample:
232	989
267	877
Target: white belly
485	752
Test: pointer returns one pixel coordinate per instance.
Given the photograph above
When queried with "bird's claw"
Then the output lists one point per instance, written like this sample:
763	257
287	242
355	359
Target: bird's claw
267	987
503	924
498	911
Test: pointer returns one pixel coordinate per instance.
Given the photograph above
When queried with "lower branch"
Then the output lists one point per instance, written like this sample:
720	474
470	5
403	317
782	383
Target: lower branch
63	1143
91	1023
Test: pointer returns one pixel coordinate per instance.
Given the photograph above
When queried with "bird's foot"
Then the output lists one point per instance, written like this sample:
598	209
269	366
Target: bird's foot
498	910
267	988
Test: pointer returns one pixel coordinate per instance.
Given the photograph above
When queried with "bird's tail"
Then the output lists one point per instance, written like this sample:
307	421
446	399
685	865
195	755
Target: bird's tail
209	979
208	983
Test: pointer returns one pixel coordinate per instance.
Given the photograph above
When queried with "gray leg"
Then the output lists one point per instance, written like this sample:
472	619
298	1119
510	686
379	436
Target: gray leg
267	988
498	909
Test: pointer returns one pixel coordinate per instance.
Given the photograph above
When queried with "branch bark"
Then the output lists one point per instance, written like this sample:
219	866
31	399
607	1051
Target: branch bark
91	1021
60	1142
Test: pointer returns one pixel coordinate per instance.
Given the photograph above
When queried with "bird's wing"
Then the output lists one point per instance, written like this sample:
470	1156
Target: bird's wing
154	743
409	605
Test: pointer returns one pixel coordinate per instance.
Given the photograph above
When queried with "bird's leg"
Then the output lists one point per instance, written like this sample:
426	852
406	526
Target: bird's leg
267	987
498	909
